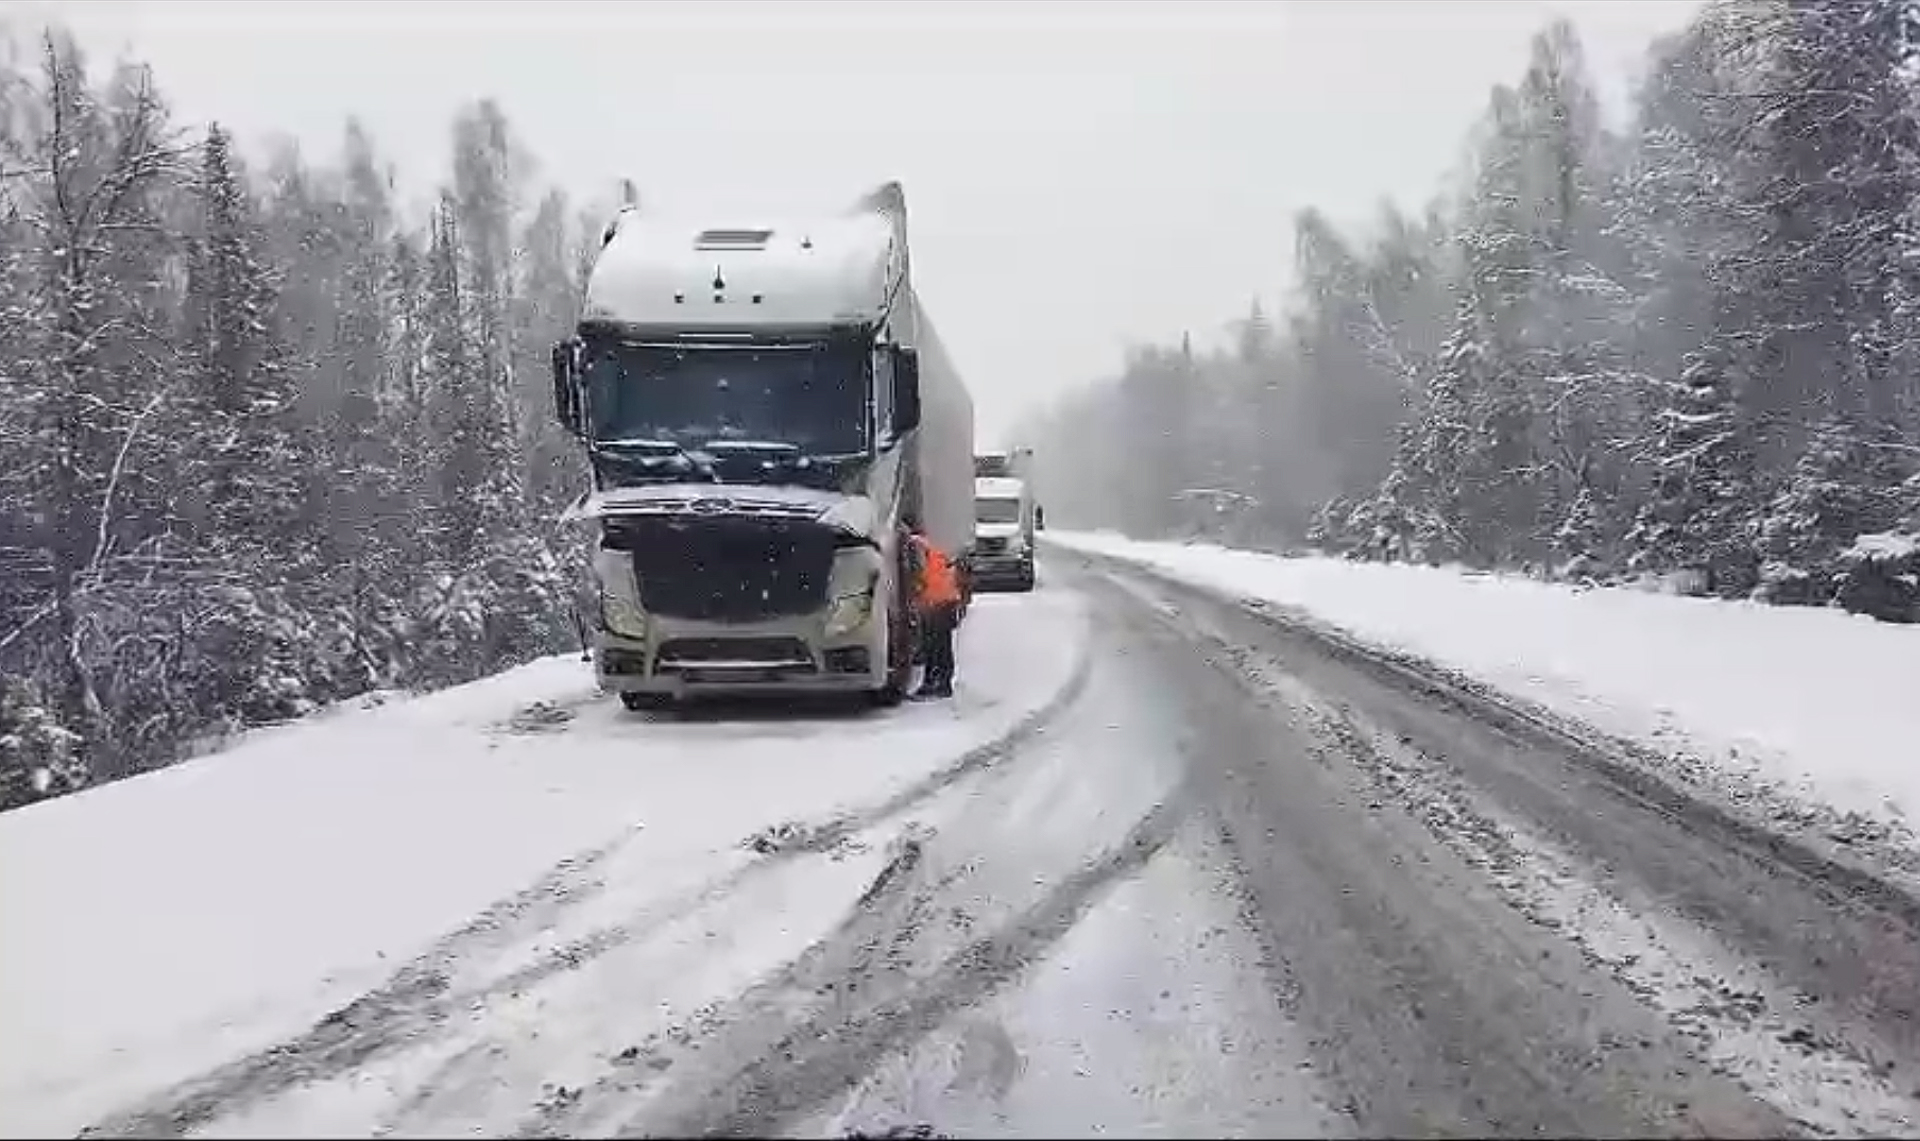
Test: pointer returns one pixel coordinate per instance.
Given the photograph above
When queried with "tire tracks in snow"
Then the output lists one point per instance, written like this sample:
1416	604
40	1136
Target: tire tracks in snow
1771	1040
888	975
1856	859
960	909
390	1017
414	1006
1829	1073
782	844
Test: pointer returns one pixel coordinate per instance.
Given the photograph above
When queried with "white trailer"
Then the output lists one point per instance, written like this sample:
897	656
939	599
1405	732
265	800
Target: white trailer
764	409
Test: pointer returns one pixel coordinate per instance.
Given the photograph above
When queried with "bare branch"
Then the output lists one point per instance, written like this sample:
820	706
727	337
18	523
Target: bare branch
103	537
40	615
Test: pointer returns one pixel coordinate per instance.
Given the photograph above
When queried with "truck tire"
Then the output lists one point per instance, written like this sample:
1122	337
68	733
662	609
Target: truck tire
899	660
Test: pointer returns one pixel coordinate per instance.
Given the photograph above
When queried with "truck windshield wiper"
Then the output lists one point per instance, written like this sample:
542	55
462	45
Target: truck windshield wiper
656	454
770	452
764	449
751	446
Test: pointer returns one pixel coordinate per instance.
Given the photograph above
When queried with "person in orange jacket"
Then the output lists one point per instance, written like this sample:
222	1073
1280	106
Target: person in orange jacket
936	602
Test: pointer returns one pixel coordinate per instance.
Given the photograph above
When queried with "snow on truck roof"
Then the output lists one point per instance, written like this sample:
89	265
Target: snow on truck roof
807	273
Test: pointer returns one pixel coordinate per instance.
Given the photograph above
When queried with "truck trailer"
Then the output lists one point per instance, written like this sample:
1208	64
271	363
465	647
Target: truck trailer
765	409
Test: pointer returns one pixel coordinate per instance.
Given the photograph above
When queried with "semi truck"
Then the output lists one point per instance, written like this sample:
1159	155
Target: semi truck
1006	515
765	409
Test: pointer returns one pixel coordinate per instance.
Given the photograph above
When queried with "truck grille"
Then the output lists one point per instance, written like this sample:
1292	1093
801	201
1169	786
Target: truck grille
770	651
729	504
730	570
990	546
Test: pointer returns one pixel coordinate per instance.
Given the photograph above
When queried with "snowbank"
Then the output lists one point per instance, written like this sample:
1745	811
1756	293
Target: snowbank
164	924
1823	702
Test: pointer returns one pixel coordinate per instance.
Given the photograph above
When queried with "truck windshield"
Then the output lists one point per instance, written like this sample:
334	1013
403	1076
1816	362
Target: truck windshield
811	396
996	510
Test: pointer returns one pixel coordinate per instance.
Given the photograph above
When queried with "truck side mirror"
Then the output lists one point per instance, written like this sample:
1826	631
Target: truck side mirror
1039	517
566	401
906	391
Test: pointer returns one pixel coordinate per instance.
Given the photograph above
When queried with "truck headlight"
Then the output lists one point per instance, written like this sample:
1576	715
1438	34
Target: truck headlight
1016	544
621	616
848	612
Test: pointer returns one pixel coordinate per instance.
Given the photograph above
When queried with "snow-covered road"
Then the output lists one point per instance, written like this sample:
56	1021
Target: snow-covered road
1170	866
168	924
1803	714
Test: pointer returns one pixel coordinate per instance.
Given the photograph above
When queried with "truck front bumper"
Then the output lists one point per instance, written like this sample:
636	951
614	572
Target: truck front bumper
684	658
993	572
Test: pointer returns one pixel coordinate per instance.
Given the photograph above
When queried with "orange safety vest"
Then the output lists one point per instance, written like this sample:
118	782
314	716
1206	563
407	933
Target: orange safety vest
938	585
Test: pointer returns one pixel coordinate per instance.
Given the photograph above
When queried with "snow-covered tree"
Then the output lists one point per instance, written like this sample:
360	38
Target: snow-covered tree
239	420
1691	347
236	387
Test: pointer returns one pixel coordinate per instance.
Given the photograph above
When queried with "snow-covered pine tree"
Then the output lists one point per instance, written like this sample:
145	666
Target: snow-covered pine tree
247	533
487	177
1698	519
546	302
238	387
1841	488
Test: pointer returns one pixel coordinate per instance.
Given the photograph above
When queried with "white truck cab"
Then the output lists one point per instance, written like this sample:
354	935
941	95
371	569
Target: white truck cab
1005	517
765	410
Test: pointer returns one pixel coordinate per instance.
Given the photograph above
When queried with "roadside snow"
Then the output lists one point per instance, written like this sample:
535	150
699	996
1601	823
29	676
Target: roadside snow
159	926
1820	702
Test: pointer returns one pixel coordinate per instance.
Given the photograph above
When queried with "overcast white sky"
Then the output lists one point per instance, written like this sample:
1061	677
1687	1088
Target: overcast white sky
1080	174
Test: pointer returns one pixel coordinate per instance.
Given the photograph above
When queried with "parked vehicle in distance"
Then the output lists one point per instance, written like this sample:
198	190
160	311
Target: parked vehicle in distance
1005	517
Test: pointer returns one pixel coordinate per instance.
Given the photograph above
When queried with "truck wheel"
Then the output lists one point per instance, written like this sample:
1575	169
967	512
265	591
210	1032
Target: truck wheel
644	702
899	662
894	690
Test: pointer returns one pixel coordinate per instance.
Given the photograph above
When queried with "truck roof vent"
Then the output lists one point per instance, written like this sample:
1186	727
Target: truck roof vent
732	239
